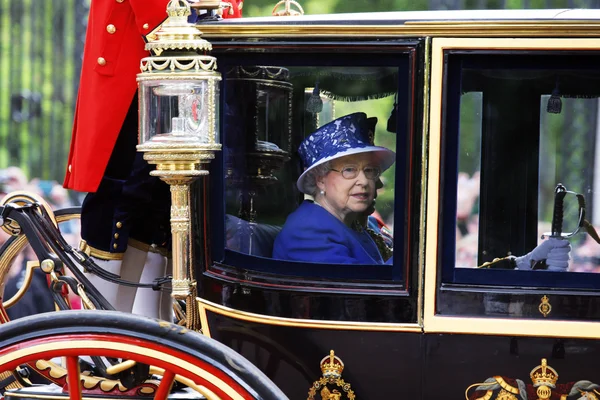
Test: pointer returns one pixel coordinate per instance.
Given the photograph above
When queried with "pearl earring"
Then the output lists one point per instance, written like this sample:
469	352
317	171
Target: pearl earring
322	193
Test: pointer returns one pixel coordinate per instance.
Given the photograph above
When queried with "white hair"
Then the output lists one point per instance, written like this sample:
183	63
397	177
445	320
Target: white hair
312	176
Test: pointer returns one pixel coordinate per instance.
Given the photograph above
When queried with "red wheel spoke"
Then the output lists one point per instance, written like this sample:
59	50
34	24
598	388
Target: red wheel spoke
174	353
165	386
73	378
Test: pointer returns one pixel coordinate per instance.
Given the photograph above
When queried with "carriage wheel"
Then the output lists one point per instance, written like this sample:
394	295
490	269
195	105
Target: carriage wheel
173	352
21	197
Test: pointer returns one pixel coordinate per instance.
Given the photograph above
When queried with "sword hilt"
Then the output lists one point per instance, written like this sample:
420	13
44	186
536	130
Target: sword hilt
557	217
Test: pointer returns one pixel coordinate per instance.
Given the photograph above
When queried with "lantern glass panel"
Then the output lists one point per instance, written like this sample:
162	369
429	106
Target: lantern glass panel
179	108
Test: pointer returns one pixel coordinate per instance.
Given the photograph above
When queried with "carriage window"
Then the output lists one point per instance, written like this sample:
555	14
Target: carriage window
526	146
344	121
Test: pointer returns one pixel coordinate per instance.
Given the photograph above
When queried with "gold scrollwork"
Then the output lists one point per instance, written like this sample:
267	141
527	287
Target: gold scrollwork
492	384
589	395
331	367
288	10
488	395
179	227
543	381
180	212
505	386
196	63
504	395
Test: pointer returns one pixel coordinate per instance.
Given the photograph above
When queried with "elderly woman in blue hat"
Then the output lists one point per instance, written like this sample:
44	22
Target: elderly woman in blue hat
342	168
342	171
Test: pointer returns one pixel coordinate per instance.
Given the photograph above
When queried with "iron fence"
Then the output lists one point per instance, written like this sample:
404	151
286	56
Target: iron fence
41	46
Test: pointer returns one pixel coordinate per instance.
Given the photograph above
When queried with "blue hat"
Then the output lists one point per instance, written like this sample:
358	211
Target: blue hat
350	134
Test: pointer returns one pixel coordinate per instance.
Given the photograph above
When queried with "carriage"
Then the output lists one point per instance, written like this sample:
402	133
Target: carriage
493	116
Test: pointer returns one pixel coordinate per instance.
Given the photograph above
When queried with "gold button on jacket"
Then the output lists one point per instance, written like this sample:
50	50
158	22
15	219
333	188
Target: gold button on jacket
110	28
101	61
97	96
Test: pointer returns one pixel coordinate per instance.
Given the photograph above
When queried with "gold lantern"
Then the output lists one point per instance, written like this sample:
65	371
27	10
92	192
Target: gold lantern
178	117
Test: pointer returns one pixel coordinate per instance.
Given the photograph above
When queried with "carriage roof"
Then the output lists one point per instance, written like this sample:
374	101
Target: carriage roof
514	23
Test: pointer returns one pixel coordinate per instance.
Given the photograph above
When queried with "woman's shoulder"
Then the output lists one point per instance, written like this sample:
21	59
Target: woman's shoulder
311	221
312	234
307	214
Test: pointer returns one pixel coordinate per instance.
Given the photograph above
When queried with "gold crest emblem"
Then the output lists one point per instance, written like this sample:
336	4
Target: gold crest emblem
544	380
545	307
331	386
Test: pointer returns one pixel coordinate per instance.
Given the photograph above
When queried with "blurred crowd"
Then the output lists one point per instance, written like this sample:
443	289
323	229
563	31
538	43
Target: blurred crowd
14	179
585	256
585	253
467	220
38	298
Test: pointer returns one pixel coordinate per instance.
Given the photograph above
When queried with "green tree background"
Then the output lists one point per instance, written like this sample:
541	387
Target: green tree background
255	8
41	44
261	8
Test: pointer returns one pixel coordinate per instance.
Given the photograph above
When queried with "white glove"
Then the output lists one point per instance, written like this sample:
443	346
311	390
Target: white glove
554	251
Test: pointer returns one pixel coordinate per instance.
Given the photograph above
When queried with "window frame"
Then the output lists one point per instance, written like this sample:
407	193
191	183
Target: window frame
456	307
223	263
452	276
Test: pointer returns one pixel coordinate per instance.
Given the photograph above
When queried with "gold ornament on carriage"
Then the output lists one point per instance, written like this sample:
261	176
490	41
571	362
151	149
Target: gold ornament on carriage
178	94
291	8
543	379
545	307
331	386
178	128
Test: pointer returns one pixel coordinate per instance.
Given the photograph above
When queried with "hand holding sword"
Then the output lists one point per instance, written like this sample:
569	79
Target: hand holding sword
553	253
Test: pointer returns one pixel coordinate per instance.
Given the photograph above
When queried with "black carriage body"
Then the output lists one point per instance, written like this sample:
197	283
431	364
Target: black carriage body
428	326
492	115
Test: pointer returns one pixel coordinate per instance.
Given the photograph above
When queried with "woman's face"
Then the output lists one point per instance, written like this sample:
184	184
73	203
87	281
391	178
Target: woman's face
347	198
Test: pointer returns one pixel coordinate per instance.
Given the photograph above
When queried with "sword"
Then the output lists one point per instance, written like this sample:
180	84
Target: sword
557	221
557	216
560	193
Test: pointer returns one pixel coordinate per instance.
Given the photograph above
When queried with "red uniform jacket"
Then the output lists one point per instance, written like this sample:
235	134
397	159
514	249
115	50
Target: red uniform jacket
114	46
236	9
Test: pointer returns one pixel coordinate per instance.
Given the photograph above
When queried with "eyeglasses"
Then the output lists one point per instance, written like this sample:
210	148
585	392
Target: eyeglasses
352	171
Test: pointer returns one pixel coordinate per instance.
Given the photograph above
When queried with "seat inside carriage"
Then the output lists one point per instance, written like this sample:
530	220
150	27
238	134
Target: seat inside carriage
268	112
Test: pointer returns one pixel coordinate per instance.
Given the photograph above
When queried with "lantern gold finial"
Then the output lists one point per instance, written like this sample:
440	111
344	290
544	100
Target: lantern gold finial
178	90
178	8
288	11
176	33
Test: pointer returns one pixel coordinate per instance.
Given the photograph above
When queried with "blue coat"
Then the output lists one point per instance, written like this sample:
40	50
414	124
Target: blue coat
312	234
